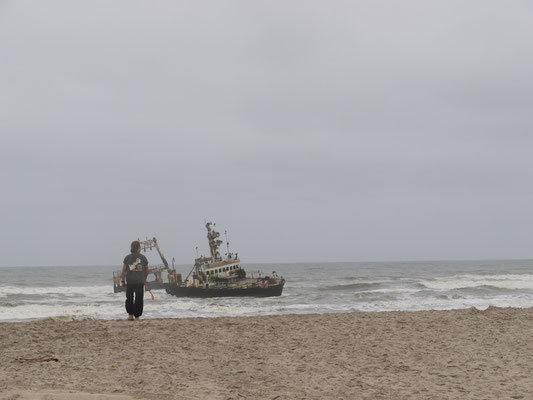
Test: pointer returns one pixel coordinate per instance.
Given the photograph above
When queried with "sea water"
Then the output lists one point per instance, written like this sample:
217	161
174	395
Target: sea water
69	293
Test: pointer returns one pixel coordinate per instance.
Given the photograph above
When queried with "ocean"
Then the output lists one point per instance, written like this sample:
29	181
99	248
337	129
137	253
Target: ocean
74	293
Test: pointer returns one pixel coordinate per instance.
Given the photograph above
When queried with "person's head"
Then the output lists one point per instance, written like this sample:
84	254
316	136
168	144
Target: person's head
135	246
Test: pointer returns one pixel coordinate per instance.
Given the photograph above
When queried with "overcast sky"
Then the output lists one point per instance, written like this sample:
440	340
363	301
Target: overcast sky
310	130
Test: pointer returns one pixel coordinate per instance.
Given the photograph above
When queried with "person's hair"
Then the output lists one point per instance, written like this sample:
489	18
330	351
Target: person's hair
135	245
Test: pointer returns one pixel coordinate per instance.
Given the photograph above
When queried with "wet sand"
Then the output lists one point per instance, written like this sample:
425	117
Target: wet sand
460	354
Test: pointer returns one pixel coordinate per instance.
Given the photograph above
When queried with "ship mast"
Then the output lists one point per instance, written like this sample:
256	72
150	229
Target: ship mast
214	242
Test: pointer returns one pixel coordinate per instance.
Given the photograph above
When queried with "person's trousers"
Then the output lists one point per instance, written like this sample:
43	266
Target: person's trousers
134	304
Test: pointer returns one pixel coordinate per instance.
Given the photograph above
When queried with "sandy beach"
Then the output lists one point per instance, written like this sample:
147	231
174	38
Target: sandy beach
460	354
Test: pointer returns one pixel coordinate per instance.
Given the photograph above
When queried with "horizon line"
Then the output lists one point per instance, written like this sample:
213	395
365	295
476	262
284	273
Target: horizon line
290	262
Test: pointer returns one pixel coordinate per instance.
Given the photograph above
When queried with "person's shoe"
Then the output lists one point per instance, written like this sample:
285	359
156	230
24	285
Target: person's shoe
130	318
137	319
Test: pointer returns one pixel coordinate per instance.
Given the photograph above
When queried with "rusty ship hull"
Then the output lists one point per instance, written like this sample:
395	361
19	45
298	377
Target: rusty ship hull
184	291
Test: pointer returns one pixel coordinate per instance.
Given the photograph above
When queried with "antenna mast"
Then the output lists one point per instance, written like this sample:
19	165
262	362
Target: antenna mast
227	243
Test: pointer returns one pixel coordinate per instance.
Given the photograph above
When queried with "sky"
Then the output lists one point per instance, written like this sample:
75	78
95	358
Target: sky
311	131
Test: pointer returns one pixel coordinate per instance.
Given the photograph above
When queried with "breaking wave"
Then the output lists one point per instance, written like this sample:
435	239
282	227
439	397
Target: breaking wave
499	281
354	286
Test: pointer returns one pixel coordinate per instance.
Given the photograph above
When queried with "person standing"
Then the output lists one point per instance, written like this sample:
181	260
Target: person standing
135	271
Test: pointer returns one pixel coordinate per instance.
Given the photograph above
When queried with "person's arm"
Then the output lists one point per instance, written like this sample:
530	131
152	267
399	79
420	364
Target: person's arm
122	279
146	271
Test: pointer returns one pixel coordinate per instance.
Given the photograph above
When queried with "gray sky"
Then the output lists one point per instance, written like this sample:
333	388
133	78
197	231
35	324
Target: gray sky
310	130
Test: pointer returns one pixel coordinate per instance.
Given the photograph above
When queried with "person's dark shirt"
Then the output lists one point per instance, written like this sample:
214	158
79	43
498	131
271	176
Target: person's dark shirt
135	268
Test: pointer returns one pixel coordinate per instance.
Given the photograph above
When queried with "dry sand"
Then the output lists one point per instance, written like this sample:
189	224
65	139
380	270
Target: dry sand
462	354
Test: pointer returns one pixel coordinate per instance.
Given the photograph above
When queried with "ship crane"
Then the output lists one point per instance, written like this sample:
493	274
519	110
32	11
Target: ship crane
148	244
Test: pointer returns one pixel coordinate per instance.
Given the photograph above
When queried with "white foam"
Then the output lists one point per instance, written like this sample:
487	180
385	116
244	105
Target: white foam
511	281
43	311
6	291
408	303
